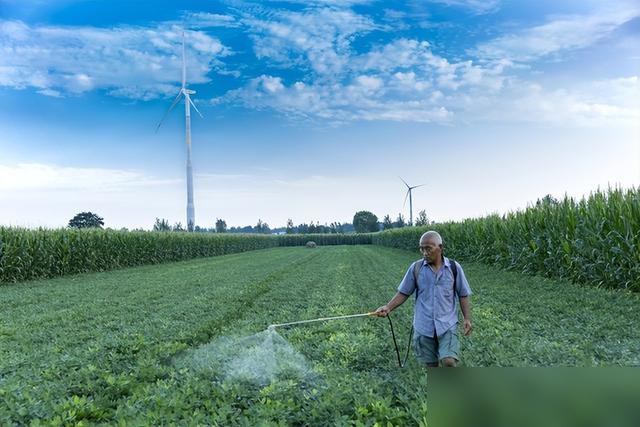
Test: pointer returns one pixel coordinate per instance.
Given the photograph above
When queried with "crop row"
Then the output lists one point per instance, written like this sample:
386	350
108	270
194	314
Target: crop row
43	253
595	240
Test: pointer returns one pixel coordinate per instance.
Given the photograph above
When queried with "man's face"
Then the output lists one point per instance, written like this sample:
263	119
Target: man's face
431	251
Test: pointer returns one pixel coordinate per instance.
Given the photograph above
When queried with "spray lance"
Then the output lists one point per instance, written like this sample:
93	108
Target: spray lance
401	362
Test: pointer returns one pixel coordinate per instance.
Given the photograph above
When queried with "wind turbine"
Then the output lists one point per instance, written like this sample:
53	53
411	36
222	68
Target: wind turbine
188	103
410	199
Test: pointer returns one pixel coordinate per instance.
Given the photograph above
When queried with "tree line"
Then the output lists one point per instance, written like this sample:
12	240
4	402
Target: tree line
363	222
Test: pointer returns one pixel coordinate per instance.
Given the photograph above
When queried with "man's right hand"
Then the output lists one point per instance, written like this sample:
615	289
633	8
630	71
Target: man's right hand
382	311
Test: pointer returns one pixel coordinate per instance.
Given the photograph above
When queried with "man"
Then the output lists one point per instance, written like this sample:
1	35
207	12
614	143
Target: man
435	320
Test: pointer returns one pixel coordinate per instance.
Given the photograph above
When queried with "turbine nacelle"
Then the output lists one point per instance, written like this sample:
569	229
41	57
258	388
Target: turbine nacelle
408	196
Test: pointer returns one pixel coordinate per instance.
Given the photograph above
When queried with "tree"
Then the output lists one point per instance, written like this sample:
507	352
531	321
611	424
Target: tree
365	222
290	228
161	225
262	227
400	222
86	220
178	227
422	218
386	223
221	225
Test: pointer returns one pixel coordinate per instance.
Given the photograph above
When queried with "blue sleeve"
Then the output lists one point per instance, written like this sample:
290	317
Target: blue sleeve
408	284
462	285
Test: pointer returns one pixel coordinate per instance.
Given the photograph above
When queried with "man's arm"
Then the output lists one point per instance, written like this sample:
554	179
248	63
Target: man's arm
398	299
465	306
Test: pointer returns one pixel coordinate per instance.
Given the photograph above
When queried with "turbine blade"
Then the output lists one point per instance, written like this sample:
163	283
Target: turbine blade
196	108
417	186
405	182
184	66
175	102
405	198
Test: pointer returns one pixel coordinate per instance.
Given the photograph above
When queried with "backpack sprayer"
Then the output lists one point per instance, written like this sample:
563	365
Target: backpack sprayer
401	363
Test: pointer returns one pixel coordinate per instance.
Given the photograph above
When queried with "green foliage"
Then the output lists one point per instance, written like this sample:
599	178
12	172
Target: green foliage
221	225
41	253
593	241
387	224
262	227
365	222
86	220
161	225
422	219
325	239
118	367
32	254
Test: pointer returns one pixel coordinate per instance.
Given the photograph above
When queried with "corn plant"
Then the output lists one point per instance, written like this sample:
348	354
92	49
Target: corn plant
595	240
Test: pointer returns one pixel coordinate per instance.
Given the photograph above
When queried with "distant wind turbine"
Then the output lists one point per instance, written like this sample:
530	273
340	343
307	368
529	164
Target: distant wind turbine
409	188
188	103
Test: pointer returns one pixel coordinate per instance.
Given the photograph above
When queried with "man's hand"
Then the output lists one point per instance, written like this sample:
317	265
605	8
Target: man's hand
382	311
468	327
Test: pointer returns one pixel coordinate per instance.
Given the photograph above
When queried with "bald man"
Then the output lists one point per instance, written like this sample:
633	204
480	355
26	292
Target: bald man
435	320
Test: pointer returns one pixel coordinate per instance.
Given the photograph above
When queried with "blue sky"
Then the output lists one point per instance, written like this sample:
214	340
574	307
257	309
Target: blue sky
312	109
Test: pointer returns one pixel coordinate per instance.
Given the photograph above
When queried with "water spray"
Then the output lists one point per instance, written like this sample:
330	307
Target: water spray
401	363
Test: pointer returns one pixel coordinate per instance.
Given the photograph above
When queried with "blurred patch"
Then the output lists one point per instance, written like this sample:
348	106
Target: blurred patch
523	397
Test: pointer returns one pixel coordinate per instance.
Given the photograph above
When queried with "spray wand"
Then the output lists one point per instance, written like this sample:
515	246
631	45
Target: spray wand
401	363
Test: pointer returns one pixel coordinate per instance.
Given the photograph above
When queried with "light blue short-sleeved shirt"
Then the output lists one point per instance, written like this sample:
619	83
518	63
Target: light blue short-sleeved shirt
436	302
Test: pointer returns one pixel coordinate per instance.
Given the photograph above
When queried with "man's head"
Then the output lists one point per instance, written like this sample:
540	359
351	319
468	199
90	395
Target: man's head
431	246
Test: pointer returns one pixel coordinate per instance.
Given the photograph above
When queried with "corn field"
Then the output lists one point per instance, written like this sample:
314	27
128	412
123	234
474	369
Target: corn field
325	239
595	240
42	253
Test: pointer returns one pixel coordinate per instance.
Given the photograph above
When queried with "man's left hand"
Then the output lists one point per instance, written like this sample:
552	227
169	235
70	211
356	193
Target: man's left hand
468	327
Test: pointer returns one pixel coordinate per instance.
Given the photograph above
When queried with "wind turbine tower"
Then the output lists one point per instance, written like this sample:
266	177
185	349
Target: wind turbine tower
409	188
188	103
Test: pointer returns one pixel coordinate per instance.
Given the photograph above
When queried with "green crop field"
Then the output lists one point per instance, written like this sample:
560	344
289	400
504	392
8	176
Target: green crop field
114	347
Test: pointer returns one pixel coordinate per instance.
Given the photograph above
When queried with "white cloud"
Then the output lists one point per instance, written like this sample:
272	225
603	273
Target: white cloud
364	98
272	84
404	80
399	81
369	83
29	176
334	3
477	6
317	38
557	35
398	54
613	102
134	62
209	20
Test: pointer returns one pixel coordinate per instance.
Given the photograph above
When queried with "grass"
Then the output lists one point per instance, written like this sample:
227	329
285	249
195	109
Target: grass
99	348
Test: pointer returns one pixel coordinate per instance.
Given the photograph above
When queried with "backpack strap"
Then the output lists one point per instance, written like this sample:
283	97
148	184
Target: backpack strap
454	270
417	265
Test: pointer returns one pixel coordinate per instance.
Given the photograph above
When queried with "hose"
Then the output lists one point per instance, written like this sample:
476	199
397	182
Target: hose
395	343
401	362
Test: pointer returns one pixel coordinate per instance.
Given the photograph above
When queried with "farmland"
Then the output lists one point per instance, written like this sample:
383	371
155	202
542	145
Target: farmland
102	347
